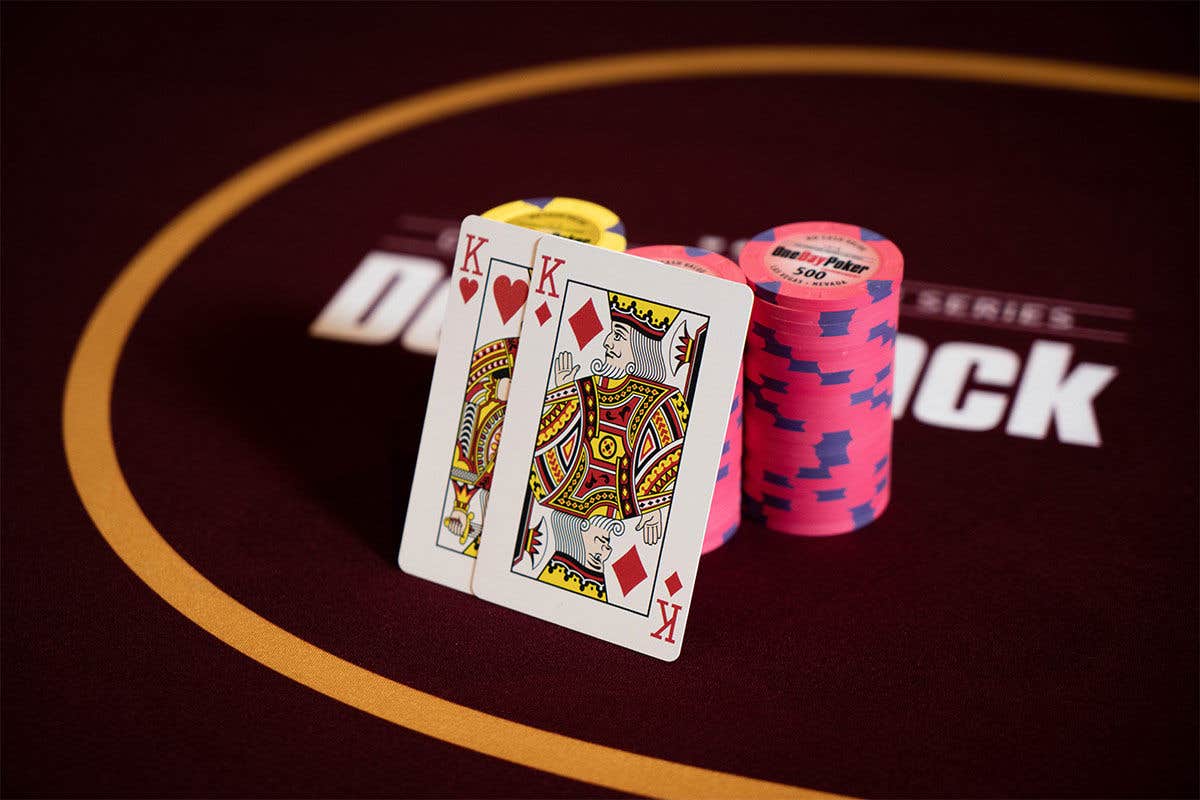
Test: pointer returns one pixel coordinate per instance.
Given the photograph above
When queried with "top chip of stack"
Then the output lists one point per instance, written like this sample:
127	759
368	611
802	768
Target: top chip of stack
818	370
696	259
567	217
816	267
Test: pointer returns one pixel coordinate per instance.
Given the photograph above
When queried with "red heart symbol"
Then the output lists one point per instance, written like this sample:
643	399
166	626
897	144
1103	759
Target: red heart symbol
510	296
468	287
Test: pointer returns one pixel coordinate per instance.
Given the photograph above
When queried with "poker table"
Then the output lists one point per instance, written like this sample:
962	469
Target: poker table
203	490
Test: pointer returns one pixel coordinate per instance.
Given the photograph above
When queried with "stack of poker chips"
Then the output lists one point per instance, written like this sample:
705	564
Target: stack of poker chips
818	376
725	514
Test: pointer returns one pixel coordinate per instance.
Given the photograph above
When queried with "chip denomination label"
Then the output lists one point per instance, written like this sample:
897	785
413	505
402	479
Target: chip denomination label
822	259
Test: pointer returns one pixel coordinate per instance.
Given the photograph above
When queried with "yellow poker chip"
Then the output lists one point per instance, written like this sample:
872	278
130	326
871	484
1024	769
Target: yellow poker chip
566	217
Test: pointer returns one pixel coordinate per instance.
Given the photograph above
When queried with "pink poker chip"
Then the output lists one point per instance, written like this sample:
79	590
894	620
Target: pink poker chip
882	300
784	376
800	523
822	265
844	329
696	259
852	346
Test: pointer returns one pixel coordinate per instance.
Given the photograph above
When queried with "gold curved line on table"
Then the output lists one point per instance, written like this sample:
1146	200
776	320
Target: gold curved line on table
96	471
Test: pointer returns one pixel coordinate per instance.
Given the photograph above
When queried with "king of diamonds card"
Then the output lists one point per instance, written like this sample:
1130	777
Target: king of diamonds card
624	380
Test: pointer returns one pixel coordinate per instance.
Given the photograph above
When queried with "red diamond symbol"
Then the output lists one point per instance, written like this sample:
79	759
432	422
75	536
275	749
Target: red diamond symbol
673	583
542	313
585	323
629	570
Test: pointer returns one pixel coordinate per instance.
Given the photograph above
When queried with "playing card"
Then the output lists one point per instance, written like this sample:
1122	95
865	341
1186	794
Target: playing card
465	415
615	425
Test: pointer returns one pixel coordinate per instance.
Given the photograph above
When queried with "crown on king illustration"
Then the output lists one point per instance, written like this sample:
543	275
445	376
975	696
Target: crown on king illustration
494	357
652	319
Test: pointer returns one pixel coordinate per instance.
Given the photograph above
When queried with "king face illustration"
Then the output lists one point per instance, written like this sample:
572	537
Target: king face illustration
478	439
608	447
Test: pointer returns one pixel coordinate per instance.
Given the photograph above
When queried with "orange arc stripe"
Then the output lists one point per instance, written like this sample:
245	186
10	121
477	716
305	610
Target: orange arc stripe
96	471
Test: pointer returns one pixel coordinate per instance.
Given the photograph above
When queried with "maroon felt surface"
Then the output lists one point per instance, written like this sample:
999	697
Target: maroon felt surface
1022	622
